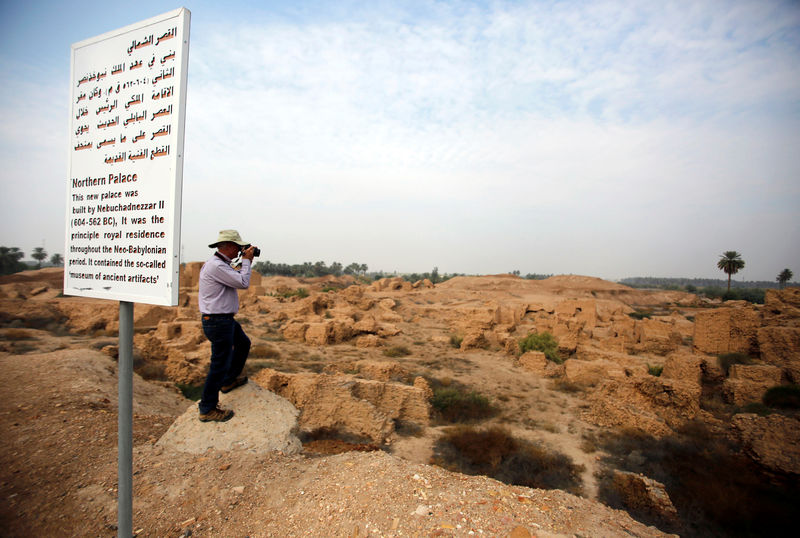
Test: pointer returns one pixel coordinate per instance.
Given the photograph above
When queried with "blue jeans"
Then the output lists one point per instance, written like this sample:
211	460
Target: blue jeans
229	349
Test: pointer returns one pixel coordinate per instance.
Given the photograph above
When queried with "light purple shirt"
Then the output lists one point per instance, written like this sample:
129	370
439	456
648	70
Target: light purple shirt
218	284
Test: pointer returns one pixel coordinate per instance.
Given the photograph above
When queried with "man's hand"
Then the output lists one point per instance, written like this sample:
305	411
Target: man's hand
249	254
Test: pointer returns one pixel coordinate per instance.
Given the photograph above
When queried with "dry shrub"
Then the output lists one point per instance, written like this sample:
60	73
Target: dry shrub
494	452
455	341
783	397
264	351
191	392
315	367
334	434
152	370
457	404
19	348
589	443
406	428
253	366
103	342
15	335
397	351
716	490
562	385
726	360
547	426
45	318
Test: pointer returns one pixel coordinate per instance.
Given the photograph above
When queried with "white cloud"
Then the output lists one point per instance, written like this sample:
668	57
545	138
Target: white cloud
549	137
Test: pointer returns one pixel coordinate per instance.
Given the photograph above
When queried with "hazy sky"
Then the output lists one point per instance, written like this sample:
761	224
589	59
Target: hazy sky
603	138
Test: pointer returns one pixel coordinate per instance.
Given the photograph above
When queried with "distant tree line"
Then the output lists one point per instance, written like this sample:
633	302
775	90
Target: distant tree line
434	276
11	259
681	284
309	270
529	276
752	291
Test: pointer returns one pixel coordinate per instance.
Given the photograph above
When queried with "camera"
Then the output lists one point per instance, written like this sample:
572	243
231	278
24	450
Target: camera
256	250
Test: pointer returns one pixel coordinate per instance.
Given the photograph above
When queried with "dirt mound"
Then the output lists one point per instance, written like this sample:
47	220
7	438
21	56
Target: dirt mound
87	377
53	276
578	282
511	282
489	283
272	283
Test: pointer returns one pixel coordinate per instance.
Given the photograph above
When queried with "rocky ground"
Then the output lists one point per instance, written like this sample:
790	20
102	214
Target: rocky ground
361	361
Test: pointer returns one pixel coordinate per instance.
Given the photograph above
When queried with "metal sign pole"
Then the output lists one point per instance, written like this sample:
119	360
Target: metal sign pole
125	422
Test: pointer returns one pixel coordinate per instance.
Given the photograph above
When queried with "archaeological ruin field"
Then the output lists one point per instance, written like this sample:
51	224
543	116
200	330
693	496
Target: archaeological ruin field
494	405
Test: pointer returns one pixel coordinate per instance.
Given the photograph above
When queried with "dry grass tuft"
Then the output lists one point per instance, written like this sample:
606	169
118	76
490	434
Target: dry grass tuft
494	452
264	351
562	385
15	335
397	351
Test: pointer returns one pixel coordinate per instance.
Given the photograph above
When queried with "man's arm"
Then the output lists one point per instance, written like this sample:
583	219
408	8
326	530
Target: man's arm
227	275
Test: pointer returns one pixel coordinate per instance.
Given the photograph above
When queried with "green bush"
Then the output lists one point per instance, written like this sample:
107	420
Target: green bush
456	404
640	314
655	370
494	452
753	295
301	293
783	397
544	342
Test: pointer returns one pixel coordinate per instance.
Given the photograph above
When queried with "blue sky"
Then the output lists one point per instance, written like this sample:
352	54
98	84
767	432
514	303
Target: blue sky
603	138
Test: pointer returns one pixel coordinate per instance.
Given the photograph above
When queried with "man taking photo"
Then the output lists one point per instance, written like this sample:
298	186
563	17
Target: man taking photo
219	302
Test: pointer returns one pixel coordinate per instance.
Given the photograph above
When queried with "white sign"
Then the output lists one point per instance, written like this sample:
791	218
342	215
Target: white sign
127	113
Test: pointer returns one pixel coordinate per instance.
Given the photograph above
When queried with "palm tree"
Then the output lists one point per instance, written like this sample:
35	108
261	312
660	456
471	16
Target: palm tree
39	254
10	260
784	277
730	262
56	259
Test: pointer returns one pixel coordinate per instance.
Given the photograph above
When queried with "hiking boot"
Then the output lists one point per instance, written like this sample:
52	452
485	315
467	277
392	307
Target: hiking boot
242	380
217	415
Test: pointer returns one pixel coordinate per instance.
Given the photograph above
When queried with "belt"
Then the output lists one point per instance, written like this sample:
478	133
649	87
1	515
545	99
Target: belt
218	315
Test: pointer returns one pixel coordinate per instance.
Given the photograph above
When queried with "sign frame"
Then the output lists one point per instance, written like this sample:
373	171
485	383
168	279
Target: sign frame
107	255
